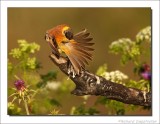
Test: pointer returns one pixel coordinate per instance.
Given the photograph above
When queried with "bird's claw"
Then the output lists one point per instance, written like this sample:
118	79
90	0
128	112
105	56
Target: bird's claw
71	70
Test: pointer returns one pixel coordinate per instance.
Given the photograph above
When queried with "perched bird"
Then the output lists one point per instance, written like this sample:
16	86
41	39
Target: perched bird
76	47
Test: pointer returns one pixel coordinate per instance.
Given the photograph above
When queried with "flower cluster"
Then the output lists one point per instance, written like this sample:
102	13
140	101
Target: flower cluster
144	35
121	45
16	53
23	53
25	47
115	76
31	63
129	49
28	47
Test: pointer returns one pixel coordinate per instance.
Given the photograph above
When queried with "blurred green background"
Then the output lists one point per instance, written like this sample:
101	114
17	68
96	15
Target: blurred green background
105	25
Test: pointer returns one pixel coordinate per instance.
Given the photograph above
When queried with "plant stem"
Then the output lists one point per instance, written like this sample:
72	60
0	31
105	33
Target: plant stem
26	107
16	77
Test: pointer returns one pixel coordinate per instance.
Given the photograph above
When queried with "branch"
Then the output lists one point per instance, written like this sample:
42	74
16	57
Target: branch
90	84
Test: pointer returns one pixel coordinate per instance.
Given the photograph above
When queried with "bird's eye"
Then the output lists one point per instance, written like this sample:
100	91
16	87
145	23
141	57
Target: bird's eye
68	34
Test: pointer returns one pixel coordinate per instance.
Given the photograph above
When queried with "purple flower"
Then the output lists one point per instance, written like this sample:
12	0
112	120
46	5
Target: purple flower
19	84
146	75
146	67
145	72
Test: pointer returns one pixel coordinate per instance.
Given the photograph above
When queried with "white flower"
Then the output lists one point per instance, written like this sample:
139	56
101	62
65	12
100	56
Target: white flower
53	85
115	76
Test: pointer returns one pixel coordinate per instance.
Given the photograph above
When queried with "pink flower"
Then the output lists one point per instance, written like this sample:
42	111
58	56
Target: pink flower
145	72
19	84
146	75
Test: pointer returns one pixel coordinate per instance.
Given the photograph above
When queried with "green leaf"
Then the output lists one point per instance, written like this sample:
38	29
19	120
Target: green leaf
92	111
49	76
54	102
101	69
80	110
41	84
101	100
120	112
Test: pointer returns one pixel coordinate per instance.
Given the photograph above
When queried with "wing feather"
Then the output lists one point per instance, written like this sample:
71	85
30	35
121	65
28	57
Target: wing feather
81	32
79	60
85	44
82	47
82	36
81	57
75	64
79	50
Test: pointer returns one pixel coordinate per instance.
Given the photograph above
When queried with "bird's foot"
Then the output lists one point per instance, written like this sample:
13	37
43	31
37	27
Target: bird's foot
71	70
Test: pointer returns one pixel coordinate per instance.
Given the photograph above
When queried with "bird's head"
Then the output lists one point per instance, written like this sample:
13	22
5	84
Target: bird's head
59	33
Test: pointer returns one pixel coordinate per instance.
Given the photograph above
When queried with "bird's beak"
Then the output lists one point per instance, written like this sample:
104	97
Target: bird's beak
46	37
54	49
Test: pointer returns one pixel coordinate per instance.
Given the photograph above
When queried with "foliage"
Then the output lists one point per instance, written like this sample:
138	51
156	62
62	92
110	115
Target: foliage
33	93
26	66
130	51
23	54
13	109
83	110
50	76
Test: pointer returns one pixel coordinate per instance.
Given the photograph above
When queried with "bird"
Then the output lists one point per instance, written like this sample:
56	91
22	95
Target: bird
76	47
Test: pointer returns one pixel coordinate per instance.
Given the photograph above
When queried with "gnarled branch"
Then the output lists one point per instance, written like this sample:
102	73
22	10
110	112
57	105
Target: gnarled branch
90	84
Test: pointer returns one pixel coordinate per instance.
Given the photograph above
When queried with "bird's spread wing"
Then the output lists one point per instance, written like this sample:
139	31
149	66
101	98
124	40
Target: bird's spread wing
79	51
